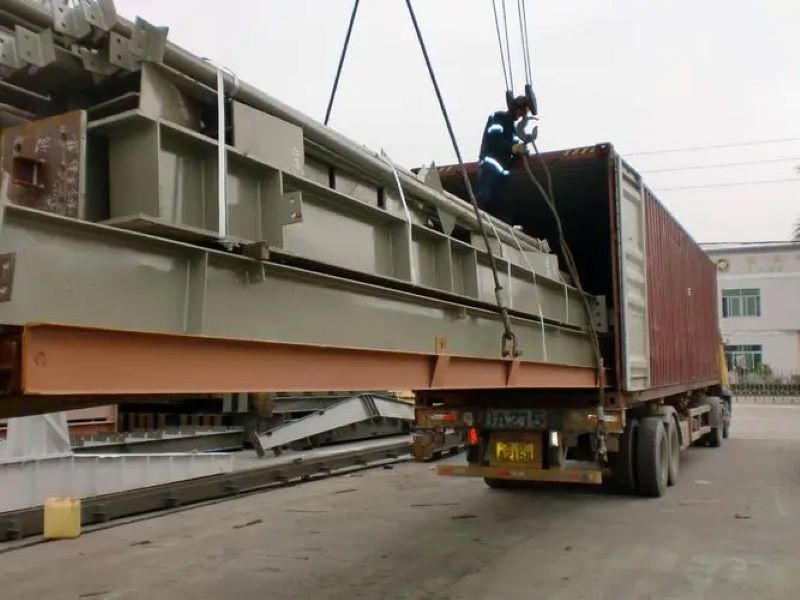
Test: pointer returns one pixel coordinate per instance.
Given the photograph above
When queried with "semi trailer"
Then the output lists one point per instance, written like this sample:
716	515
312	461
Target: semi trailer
170	230
664	374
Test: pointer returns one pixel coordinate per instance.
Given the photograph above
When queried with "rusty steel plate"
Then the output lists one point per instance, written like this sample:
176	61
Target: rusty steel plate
45	160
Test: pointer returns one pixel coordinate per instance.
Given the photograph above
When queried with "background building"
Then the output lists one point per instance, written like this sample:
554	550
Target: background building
759	304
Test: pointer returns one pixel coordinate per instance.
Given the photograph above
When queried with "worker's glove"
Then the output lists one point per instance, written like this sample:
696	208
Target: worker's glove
518	149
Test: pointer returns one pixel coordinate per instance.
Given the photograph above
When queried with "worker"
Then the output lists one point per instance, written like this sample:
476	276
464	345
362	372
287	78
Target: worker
499	148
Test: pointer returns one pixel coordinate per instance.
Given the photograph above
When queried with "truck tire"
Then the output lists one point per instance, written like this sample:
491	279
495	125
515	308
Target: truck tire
498	484
726	417
714	437
674	451
623	462
652	457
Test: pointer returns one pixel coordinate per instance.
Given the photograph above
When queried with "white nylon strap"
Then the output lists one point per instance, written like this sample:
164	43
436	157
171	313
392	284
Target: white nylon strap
389	161
222	151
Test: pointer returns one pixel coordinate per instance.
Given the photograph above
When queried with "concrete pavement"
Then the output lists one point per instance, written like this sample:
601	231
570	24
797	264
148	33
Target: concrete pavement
727	530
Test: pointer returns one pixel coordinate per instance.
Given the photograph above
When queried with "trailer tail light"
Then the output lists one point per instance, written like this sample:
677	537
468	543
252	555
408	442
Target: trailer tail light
472	436
443	416
437	418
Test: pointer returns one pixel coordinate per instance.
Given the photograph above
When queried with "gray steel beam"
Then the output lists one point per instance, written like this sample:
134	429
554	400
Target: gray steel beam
337	228
352	152
29	482
179	440
22	523
305	404
349	412
77	272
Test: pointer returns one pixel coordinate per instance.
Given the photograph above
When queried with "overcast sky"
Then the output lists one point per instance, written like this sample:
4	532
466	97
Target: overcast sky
642	74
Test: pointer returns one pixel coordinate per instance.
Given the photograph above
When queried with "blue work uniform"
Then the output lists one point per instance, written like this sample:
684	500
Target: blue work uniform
496	159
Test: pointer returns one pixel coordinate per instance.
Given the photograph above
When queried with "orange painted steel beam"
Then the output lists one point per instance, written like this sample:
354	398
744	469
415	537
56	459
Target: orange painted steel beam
69	360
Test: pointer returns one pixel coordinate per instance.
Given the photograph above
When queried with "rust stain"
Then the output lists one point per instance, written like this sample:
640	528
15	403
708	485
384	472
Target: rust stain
43	158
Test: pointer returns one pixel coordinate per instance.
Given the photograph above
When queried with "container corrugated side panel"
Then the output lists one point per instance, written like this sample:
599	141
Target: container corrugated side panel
682	302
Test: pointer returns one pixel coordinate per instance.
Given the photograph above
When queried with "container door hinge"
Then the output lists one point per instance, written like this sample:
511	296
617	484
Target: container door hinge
7	264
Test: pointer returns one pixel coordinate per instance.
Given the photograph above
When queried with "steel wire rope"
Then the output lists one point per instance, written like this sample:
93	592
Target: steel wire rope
527	41
509	338
508	47
500	44
341	61
535	287
523	36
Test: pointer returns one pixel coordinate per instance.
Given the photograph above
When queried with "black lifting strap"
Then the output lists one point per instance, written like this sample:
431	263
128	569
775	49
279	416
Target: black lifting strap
341	61
509	341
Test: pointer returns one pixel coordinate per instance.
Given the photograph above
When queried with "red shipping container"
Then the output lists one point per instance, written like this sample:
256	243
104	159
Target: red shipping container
682	302
664	333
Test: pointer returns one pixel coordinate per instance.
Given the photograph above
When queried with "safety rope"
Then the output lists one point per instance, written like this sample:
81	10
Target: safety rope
509	339
341	62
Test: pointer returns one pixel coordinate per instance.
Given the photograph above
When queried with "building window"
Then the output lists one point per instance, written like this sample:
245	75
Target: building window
741	303
743	358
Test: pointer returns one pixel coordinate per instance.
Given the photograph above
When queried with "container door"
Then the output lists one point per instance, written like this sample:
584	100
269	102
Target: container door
632	253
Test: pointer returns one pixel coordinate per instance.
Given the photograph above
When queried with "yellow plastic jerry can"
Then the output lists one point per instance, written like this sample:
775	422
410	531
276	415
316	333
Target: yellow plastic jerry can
62	518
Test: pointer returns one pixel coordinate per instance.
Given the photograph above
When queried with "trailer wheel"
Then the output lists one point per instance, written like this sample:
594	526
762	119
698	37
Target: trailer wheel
726	417
623	462
714	437
653	454
498	484
674	451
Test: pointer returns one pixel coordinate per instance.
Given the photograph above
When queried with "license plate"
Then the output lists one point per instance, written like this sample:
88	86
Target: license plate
496	418
514	452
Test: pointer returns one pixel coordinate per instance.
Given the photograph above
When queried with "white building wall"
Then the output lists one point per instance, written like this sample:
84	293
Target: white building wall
781	350
776	273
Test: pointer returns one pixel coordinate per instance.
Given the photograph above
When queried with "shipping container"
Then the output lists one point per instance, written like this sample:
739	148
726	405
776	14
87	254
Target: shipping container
660	285
660	349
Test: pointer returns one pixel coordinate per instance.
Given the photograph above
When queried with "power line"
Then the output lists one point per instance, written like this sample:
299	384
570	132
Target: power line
715	146
732	184
719	165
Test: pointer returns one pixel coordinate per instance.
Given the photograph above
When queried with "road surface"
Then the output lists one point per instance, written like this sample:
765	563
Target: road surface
728	530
